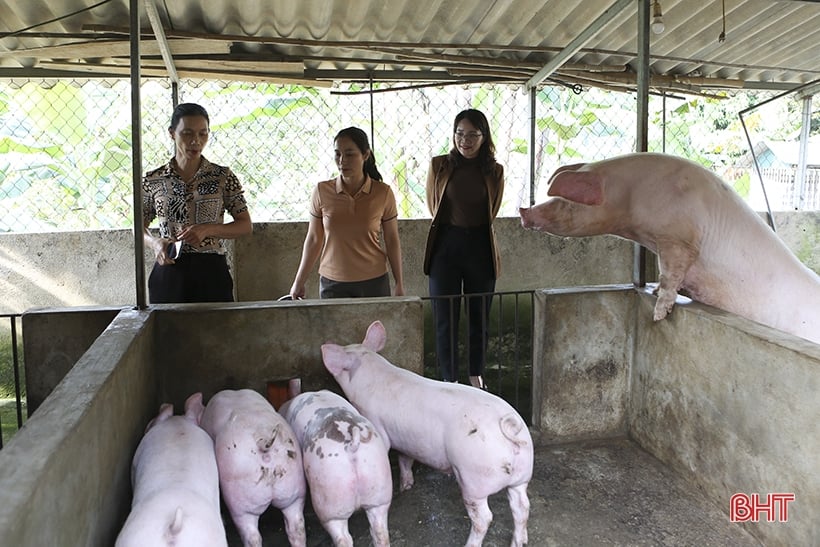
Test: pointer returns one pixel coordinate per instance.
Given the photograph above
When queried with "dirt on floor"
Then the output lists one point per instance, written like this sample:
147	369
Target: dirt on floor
582	494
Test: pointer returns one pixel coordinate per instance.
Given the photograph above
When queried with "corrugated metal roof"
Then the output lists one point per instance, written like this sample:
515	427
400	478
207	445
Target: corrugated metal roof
768	43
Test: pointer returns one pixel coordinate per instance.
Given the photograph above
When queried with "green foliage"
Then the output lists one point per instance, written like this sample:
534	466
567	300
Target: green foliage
65	151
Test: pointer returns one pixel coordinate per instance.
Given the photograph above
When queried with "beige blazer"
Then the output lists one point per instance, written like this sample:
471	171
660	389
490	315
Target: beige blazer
438	175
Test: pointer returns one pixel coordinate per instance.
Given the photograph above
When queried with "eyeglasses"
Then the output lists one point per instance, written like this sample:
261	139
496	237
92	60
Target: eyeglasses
467	136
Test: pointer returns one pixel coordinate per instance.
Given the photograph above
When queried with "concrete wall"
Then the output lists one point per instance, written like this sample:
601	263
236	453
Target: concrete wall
734	407
65	476
582	349
97	267
236	345
56	340
728	403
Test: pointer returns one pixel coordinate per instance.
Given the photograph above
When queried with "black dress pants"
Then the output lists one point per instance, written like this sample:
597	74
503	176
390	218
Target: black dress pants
461	263
194	277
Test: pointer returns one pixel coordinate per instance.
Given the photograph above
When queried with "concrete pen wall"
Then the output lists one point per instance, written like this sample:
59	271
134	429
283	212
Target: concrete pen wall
65	476
730	404
96	267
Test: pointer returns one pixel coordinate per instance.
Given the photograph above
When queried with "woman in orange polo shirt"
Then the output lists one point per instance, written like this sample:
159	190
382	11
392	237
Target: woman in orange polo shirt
348	215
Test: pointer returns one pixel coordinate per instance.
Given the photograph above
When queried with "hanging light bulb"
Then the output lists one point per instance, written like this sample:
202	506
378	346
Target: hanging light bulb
657	18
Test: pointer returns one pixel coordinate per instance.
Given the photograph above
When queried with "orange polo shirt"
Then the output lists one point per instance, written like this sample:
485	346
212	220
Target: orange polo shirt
353	224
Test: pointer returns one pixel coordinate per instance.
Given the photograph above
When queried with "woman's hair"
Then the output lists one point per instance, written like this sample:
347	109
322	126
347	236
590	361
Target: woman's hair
486	154
187	109
359	137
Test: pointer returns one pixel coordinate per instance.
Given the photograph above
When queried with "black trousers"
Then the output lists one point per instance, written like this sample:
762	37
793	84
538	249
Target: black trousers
461	262
193	278
378	286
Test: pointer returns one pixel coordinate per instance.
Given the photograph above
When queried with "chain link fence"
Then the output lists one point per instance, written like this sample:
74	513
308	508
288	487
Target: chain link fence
65	146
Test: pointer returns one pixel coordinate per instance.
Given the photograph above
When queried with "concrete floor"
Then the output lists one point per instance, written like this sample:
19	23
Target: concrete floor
582	494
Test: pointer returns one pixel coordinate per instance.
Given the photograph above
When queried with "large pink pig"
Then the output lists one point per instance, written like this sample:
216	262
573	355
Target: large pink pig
259	460
709	242
346	464
454	428
176	486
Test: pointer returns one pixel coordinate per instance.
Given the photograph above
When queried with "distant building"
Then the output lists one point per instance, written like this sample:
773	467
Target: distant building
778	161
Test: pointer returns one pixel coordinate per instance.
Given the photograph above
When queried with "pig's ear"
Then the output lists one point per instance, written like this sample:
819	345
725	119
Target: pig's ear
166	410
376	336
336	359
194	408
579	186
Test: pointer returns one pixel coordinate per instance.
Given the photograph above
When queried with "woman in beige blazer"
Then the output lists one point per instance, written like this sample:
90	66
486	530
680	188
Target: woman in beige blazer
464	191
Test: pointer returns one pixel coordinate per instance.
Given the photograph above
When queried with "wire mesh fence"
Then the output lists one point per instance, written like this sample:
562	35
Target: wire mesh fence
65	146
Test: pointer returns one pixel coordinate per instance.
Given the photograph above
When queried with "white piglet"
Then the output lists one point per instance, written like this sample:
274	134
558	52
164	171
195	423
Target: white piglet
454	428
259	460
176	486
346	464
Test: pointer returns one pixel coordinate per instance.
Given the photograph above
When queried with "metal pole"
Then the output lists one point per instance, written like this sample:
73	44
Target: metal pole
136	154
769	216
372	116
799	201
533	114
663	122
641	137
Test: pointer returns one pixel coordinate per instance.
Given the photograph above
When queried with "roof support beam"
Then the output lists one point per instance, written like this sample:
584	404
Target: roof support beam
578	42
164	47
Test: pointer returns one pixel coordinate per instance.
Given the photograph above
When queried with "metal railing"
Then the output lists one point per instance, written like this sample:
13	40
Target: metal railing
15	370
508	358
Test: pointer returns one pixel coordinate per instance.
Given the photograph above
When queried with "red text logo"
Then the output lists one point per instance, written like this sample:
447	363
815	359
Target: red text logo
750	507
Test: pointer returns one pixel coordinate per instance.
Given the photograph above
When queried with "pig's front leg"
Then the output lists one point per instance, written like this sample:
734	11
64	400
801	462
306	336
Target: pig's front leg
674	259
405	472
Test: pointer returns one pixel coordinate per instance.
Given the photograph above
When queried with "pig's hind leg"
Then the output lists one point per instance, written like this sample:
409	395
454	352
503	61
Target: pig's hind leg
520	506
377	517
294	516
339	533
247	524
481	517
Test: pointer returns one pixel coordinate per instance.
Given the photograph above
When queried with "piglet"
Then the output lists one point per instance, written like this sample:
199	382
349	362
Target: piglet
259	460
454	428
709	242
346	464
176	486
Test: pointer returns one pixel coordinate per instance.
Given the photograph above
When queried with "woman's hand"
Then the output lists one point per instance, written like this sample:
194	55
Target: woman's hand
398	290
297	292
195	234
159	245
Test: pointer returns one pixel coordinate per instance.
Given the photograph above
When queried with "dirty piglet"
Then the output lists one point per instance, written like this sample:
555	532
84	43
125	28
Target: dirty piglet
346	464
259	460
176	486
